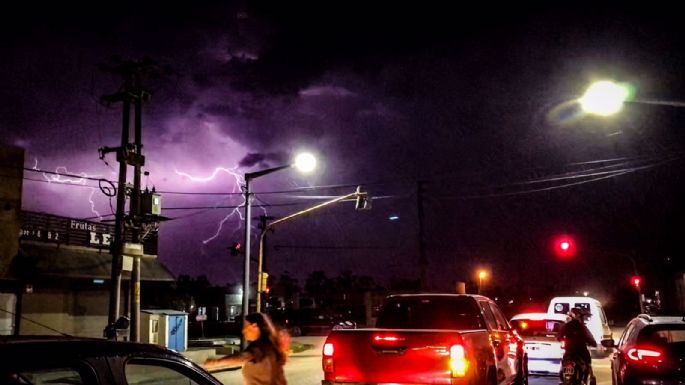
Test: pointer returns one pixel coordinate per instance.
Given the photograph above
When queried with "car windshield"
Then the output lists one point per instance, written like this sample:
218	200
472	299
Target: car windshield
430	313
662	335
536	328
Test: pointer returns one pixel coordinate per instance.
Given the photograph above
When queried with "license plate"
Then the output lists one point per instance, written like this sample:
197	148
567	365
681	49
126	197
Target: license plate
568	370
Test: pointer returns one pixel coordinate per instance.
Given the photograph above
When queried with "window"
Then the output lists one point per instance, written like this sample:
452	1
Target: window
630	335
438	312
537	328
561	308
662	335
489	317
54	376
155	372
501	320
585	307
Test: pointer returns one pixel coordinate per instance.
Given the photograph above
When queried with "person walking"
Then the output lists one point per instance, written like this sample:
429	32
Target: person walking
264	356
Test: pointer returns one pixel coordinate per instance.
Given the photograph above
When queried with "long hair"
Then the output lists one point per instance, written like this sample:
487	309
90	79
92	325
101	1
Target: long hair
279	341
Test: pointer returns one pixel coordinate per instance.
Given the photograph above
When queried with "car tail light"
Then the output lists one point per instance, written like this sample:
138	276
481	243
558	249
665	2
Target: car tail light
644	355
327	363
458	362
563	344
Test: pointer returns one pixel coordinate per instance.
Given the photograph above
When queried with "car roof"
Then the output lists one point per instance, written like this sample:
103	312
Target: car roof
477	296
540	316
26	347
575	299
660	320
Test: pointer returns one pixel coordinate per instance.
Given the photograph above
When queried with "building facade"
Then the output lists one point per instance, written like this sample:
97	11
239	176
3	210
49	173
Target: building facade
55	271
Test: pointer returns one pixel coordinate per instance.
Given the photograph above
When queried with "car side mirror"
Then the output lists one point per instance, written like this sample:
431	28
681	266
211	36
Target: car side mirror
608	343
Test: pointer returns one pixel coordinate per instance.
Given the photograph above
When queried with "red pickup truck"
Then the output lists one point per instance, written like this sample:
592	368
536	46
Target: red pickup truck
429	339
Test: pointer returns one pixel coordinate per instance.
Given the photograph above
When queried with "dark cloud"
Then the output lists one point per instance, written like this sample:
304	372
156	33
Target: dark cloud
388	94
263	160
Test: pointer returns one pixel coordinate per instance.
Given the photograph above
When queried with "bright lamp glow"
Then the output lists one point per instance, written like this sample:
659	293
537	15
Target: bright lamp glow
604	98
482	274
305	162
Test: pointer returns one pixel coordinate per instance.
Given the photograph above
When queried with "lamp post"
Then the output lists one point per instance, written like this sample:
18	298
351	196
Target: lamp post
482	274
304	162
271	225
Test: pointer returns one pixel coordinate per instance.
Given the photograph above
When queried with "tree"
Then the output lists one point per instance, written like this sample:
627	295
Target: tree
285	286
319	286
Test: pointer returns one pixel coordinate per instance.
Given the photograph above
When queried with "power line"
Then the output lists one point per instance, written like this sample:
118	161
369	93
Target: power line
325	247
530	191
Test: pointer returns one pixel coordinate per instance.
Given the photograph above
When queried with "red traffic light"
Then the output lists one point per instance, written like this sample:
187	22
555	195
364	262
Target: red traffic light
636	280
564	246
235	249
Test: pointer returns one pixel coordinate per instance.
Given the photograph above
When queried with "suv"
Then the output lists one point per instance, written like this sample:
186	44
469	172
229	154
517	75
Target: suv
39	360
650	351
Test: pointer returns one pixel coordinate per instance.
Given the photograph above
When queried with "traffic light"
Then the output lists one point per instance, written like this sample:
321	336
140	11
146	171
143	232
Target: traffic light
363	201
636	280
564	246
235	249
264	282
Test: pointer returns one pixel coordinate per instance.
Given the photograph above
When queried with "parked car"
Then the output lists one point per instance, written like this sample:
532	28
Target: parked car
428	339
539	332
53	360
651	351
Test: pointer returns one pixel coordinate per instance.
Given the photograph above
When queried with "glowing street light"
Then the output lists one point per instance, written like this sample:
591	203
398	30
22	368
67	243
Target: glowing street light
304	162
482	274
604	98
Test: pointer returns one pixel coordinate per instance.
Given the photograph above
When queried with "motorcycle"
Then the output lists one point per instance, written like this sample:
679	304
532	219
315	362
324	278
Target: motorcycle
575	371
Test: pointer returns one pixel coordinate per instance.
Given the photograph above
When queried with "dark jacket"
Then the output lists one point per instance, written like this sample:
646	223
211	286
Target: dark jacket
576	336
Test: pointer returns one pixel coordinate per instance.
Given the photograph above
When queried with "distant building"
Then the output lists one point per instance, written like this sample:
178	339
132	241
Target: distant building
55	271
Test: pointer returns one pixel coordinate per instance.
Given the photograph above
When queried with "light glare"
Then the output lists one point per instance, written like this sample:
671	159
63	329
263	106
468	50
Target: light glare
604	98
305	162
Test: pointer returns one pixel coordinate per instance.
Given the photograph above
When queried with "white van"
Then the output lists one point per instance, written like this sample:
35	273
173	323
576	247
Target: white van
595	320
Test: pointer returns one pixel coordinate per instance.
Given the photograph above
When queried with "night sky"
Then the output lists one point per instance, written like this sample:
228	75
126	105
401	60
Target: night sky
473	101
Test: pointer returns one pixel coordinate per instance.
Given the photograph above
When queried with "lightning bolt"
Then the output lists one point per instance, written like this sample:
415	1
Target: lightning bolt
59	178
237	187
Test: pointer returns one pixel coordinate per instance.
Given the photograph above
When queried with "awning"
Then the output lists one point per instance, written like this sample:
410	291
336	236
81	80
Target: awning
37	260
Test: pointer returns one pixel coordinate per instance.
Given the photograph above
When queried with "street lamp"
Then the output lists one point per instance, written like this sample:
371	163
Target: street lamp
261	282
604	98
304	162
482	274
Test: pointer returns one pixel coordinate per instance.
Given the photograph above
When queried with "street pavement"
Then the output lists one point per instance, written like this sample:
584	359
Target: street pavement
304	368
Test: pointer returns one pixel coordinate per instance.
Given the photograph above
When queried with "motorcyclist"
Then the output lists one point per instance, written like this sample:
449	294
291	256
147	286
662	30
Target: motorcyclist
576	337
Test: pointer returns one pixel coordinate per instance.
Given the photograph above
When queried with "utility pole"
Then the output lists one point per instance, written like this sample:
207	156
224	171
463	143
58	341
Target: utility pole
117	245
261	268
423	261
134	210
128	155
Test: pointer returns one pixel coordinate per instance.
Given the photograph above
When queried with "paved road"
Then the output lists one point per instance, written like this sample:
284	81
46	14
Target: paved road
305	369
602	372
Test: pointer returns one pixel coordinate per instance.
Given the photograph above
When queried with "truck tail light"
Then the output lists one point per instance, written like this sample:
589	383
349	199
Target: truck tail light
387	339
458	362
327	363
